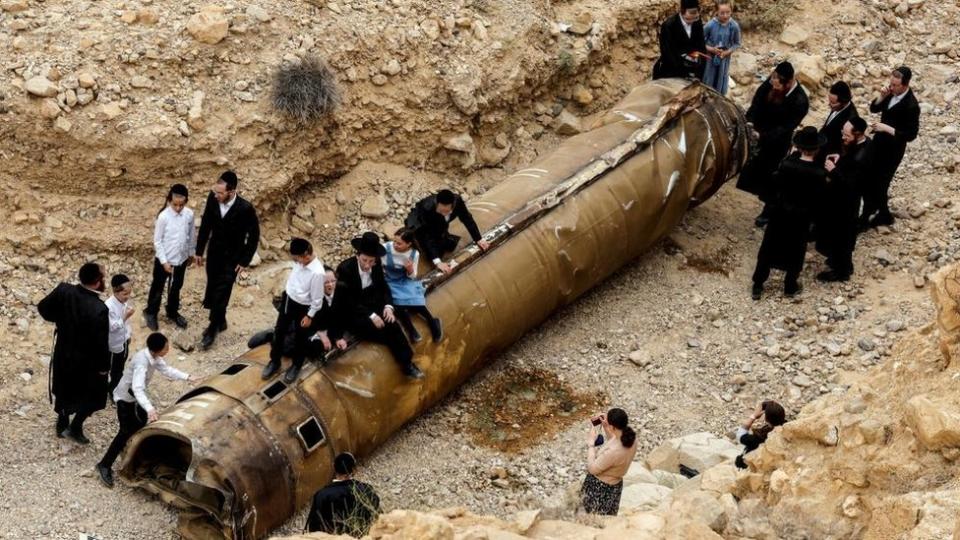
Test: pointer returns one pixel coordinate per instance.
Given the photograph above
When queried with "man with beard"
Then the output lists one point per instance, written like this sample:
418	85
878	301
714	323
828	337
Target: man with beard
842	109
778	107
837	228
81	355
796	187
231	226
899	124
683	48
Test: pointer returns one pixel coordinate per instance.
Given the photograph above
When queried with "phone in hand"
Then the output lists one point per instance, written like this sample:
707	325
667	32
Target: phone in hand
596	420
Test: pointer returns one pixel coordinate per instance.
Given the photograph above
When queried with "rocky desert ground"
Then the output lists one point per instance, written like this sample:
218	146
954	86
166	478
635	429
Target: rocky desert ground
105	103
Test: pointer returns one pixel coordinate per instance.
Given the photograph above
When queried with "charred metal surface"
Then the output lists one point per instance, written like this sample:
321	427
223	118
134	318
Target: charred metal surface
239	455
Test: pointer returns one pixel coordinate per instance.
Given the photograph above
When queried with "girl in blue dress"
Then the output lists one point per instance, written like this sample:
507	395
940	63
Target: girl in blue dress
409	296
722	35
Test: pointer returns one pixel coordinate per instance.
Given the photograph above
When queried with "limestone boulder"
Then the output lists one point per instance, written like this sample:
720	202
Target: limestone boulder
643	497
702	507
743	68
209	26
811	69
794	34
409	525
375	207
698	451
935	422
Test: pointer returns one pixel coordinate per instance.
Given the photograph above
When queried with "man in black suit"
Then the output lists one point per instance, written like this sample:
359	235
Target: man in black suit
683	49
777	109
430	220
899	124
363	302
231	226
81	356
842	109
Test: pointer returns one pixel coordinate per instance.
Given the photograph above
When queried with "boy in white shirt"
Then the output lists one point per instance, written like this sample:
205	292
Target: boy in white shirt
119	313
174	241
134	409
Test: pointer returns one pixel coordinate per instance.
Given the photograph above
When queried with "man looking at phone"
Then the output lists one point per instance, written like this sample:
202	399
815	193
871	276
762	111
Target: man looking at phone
837	226
899	124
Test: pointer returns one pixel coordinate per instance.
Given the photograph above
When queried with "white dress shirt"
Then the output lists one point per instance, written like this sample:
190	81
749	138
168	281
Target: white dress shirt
401	258
366	280
174	238
120	330
688	28
305	285
137	375
225	207
833	114
896	99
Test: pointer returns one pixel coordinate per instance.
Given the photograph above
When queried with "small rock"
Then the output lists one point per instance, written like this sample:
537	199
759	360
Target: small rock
62	125
392	67
802	381
582	95
258	14
49	108
139	81
25	377
128	16
461	143
867	344
41	86
14	6
209	26
639	358
895	325
86	80
148	16
567	123
582	24
794	34
375	207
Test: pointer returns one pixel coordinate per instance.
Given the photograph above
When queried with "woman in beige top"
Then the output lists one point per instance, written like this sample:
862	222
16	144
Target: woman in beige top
607	463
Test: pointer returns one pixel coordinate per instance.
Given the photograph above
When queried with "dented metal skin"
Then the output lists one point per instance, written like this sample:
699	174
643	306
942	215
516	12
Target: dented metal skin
232	453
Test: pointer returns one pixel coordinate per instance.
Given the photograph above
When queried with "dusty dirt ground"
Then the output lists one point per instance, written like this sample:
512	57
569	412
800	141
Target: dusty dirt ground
673	338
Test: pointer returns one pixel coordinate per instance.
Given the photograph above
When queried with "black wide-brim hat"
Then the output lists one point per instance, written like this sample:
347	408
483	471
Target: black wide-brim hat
369	244
809	138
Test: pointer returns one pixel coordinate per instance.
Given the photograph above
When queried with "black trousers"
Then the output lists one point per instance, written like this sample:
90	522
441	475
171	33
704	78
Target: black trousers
161	279
437	244
131	418
220	280
403	316
117	363
390	335
288	336
876	193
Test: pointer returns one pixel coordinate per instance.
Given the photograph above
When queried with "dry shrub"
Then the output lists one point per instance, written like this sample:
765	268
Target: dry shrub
763	14
305	91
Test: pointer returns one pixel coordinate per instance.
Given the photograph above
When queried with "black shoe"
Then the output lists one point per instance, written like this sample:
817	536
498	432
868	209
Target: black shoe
270	369
223	326
414	336
761	221
792	290
208	336
291	375
882	219
63	423
106	475
77	436
150	320
178	320
756	292
413	371
436	329
830	276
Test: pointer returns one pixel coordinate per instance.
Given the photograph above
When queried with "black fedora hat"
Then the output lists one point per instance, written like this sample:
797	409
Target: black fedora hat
369	244
809	138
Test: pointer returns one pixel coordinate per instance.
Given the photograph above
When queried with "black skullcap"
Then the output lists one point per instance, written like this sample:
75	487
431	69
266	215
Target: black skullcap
300	246
859	124
119	280
842	90
785	71
344	463
230	179
689	4
90	273
179	189
445	196
905	74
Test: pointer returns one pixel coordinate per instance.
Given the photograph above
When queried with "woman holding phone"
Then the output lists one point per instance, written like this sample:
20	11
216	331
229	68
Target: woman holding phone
608	459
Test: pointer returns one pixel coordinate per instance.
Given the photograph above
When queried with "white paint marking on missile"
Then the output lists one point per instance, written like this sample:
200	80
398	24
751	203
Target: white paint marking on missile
209	396
359	391
180	414
544	171
629	117
528	175
482	203
629	204
682	146
674	178
162	421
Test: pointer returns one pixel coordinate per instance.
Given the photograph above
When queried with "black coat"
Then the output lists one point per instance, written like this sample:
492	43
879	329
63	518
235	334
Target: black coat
833	131
232	238
345	507
329	319
674	44
352	302
797	187
81	352
904	117
837	217
775	123
432	228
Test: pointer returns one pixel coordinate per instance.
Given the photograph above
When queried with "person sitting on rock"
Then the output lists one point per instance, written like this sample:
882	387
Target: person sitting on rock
608	458
751	438
430	220
400	266
363	299
345	505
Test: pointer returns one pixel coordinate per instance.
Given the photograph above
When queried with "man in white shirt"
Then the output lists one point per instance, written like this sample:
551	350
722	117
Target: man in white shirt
134	408
174	241
119	313
302	299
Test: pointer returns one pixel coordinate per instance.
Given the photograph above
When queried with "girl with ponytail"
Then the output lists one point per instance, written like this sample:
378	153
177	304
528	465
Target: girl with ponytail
608	459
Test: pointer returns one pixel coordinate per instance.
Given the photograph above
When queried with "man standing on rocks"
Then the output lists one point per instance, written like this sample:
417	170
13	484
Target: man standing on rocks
777	109
230	225
899	124
81	355
683	47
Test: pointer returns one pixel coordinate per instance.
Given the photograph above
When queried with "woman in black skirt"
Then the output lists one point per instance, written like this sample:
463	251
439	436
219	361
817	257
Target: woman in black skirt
608	458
